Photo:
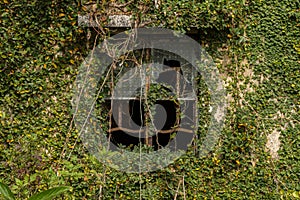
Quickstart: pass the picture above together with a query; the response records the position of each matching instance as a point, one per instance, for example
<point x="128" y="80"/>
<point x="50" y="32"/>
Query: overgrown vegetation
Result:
<point x="255" y="45"/>
<point x="7" y="194"/>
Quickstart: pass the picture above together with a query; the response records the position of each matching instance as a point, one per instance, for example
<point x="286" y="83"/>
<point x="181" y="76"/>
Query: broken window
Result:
<point x="148" y="109"/>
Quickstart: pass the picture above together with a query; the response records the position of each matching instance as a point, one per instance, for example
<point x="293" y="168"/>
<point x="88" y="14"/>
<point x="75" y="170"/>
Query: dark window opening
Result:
<point x="120" y="129"/>
<point x="131" y="123"/>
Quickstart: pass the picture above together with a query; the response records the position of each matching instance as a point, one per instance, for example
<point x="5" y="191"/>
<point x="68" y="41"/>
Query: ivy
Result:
<point x="255" y="45"/>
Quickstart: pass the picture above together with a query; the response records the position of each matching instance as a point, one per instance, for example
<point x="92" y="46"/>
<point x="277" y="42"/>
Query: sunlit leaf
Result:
<point x="49" y="194"/>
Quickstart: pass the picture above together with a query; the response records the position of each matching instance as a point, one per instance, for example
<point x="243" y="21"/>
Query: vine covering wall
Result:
<point x="256" y="47"/>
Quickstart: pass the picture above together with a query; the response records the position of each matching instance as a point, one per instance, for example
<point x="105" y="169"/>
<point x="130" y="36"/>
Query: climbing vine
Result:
<point x="255" y="45"/>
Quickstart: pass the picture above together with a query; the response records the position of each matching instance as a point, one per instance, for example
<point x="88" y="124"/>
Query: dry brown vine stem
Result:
<point x="181" y="181"/>
<point x="99" y="91"/>
<point x="158" y="131"/>
<point x="183" y="186"/>
<point x="177" y="191"/>
<point x="76" y="110"/>
<point x="121" y="5"/>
